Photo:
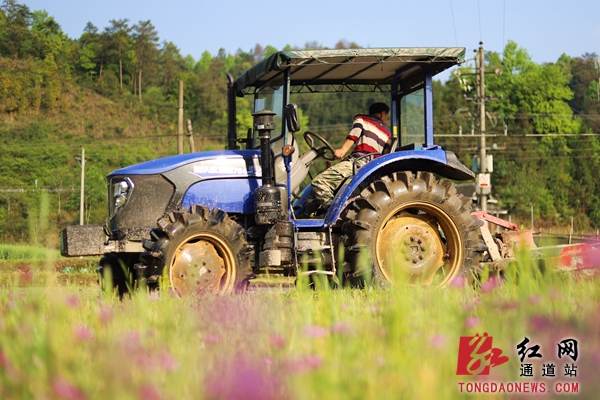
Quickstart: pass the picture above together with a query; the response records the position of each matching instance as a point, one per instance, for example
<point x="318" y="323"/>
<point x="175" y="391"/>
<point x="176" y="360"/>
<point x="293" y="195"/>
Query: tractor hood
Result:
<point x="209" y="163"/>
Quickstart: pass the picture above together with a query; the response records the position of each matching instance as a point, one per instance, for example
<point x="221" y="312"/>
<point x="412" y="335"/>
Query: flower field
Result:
<point x="70" y="342"/>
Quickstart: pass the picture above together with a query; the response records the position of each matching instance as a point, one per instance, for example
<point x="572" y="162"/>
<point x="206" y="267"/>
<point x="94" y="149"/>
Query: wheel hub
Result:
<point x="197" y="268"/>
<point x="410" y="244"/>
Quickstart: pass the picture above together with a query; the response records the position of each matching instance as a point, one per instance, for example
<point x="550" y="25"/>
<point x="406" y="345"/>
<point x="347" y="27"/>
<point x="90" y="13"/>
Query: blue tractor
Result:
<point x="211" y="221"/>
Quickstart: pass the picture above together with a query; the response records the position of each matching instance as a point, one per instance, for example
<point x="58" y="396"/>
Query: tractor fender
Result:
<point x="438" y="161"/>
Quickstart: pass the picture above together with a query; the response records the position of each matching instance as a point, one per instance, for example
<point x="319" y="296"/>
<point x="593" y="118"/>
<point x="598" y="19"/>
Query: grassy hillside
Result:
<point x="40" y="171"/>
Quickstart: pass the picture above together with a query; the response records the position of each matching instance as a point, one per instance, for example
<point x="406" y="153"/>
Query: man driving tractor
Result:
<point x="370" y="135"/>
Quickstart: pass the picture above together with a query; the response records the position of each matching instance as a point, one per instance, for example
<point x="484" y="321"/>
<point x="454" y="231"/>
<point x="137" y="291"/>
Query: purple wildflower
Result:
<point x="243" y="379"/>
<point x="458" y="282"/>
<point x="132" y="342"/>
<point x="149" y="392"/>
<point x="146" y="361"/>
<point x="65" y="390"/>
<point x="438" y="340"/>
<point x="212" y="338"/>
<point x="304" y="364"/>
<point x="491" y="284"/>
<point x="168" y="362"/>
<point x="72" y="301"/>
<point x="82" y="332"/>
<point x="105" y="315"/>
<point x="540" y="323"/>
<point x="3" y="359"/>
<point x="277" y="340"/>
<point x="534" y="299"/>
<point x="471" y="321"/>
<point x="341" y="327"/>
<point x="315" y="331"/>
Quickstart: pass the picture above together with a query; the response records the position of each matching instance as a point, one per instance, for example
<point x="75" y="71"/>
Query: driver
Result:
<point x="369" y="134"/>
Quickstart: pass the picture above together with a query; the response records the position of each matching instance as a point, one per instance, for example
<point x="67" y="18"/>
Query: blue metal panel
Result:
<point x="308" y="223"/>
<point x="229" y="195"/>
<point x="434" y="153"/>
<point x="165" y="164"/>
<point x="428" y="104"/>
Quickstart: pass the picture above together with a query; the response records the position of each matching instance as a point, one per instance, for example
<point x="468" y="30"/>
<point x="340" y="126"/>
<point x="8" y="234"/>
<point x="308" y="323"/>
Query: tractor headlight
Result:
<point x="121" y="190"/>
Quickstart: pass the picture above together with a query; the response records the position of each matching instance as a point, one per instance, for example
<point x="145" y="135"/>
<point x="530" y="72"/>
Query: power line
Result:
<point x="454" y="23"/>
<point x="96" y="142"/>
<point x="503" y="25"/>
<point x="479" y="14"/>
<point x="500" y="135"/>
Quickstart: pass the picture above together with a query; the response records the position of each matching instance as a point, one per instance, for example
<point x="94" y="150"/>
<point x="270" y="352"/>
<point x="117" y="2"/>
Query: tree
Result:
<point x="203" y="63"/>
<point x="15" y="37"/>
<point x="534" y="101"/>
<point x="120" y="31"/>
<point x="585" y="87"/>
<point x="344" y="44"/>
<point x="88" y="55"/>
<point x="48" y="34"/>
<point x="51" y="83"/>
<point x="172" y="63"/>
<point x="146" y="42"/>
<point x="258" y="53"/>
<point x="269" y="50"/>
<point x="189" y="63"/>
<point x="313" y="45"/>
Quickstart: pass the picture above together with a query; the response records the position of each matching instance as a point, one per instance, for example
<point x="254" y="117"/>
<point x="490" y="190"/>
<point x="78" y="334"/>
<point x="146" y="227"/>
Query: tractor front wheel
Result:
<point x="202" y="251"/>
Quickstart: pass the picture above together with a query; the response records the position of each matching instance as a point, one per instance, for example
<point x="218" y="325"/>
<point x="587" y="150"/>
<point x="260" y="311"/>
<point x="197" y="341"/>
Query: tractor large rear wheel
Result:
<point x="411" y="228"/>
<point x="201" y="251"/>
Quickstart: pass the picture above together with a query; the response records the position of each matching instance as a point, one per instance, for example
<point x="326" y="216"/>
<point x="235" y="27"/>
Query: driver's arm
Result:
<point x="341" y="152"/>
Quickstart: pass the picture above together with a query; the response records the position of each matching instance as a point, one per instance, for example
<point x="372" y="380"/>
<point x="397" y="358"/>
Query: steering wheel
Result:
<point x="322" y="151"/>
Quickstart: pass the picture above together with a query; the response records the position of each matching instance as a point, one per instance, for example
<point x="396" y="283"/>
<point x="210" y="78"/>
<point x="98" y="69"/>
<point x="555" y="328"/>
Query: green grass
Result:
<point x="17" y="252"/>
<point x="22" y="266"/>
<point x="71" y="343"/>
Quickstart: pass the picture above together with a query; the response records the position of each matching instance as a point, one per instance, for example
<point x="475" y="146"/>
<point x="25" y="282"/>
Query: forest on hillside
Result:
<point x="113" y="92"/>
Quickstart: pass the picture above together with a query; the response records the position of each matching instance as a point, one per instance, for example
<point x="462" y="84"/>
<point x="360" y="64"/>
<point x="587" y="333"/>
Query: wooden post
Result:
<point x="571" y="231"/>
<point x="531" y="218"/>
<point x="481" y="104"/>
<point x="190" y="135"/>
<point x="180" y="120"/>
<point x="81" y="202"/>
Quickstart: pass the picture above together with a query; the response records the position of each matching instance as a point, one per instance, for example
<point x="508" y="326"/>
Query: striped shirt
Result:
<point x="369" y="134"/>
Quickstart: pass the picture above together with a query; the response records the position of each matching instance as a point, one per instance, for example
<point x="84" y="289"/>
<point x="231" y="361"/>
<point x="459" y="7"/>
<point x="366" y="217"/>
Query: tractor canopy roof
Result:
<point x="349" y="69"/>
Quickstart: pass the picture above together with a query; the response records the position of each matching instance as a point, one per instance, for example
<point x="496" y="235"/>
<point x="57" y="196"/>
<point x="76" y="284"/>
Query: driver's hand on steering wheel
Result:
<point x="339" y="154"/>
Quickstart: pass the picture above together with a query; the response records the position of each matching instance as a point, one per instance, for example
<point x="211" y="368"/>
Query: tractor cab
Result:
<point x="400" y="77"/>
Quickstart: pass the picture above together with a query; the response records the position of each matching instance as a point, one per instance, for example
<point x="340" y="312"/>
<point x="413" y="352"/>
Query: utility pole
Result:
<point x="597" y="65"/>
<point x="81" y="202"/>
<point x="480" y="66"/>
<point x="485" y="165"/>
<point x="180" y="120"/>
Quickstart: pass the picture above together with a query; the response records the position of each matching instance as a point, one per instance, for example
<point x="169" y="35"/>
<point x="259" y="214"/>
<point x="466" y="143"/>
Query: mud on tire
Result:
<point x="411" y="227"/>
<point x="199" y="251"/>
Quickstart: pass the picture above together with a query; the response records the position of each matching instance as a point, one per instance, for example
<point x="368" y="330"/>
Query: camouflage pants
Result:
<point x="327" y="182"/>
